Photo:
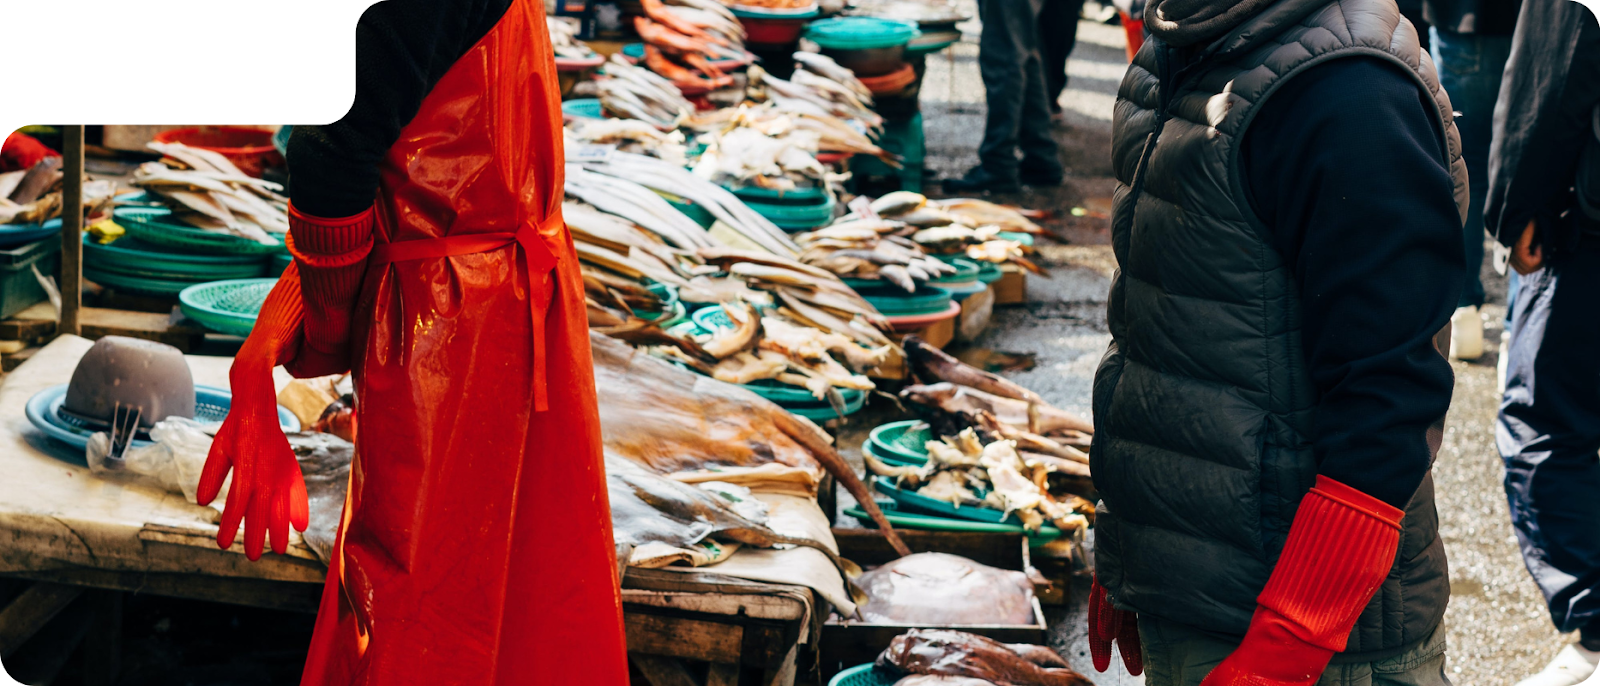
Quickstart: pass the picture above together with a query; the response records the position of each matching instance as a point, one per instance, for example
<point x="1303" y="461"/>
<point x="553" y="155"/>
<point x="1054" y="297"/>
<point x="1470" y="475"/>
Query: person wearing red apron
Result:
<point x="476" y="544"/>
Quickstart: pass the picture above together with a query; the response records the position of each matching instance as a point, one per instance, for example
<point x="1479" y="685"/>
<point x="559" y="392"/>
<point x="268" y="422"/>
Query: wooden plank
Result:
<point x="1012" y="288"/>
<point x="784" y="672"/>
<point x="662" y="671"/>
<point x="693" y="639"/>
<point x="72" y="229"/>
<point x="26" y="615"/>
<point x="264" y="593"/>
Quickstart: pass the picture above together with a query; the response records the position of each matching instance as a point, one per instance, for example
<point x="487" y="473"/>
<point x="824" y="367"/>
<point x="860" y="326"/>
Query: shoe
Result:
<point x="1572" y="666"/>
<point x="1043" y="179"/>
<point x="1466" y="334"/>
<point x="980" y="180"/>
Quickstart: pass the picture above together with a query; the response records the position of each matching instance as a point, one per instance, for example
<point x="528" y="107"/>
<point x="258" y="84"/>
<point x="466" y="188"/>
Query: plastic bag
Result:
<point x="172" y="463"/>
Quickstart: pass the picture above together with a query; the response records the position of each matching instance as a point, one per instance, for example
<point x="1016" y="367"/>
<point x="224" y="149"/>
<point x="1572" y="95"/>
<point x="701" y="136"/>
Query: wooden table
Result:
<point x="68" y="536"/>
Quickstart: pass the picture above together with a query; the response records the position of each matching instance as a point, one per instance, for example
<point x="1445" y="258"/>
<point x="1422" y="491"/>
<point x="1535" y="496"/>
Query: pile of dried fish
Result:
<point x="207" y="191"/>
<point x="744" y="156"/>
<point x="564" y="38"/>
<point x="964" y="396"/>
<point x="637" y="93"/>
<point x="628" y="135"/>
<point x="34" y="196"/>
<point x="961" y="467"/>
<point x="687" y="427"/>
<point x="681" y="42"/>
<point x="636" y="204"/>
<point x="871" y="249"/>
<point x="965" y="227"/>
<point x="957" y="658"/>
<point x="815" y="92"/>
<point x="833" y="134"/>
<point x="661" y="176"/>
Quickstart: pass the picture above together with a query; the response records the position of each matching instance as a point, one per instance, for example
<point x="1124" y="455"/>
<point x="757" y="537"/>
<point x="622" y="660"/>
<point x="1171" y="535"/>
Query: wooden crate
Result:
<point x="848" y="645"/>
<point x="1012" y="288"/>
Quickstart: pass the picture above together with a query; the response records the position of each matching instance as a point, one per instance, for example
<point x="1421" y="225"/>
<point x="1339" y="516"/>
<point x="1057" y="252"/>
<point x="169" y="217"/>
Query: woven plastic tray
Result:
<point x="153" y="225"/>
<point x="228" y="307"/>
<point x="863" y="675"/>
<point x="210" y="407"/>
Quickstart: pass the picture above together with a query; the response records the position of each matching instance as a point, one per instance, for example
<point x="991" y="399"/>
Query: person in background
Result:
<point x="1544" y="204"/>
<point x="21" y="151"/>
<point x="1287" y="227"/>
<point x="1058" y="33"/>
<point x="1131" y="14"/>
<point x="1018" y="108"/>
<point x="1471" y="39"/>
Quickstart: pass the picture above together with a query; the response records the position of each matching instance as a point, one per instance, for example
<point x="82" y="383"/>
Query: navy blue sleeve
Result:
<point x="1344" y="165"/>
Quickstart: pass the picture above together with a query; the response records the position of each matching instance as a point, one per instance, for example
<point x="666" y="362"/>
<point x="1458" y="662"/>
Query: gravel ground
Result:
<point x="1498" y="629"/>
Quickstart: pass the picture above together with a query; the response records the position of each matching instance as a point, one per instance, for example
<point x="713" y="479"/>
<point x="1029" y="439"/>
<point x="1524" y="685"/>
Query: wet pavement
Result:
<point x="1498" y="629"/>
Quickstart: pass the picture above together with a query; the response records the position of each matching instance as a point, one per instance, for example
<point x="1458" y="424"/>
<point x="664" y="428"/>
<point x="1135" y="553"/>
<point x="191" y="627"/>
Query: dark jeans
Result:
<point x="1058" y="33"/>
<point x="1014" y="86"/>
<point x="1469" y="69"/>
<point x="1549" y="432"/>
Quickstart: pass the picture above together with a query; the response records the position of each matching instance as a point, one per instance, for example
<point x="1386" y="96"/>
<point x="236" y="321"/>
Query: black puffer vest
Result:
<point x="1203" y="406"/>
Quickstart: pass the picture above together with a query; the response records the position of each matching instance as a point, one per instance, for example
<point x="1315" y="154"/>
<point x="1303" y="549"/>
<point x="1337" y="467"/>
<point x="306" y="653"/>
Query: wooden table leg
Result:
<point x="104" y="640"/>
<point x="37" y="605"/>
<point x="722" y="675"/>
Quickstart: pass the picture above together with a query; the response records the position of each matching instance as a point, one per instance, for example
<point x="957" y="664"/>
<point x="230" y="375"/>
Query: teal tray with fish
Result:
<point x="864" y="675"/>
<point x="228" y="307"/>
<point x="900" y="442"/>
<point x="964" y="282"/>
<point x="861" y="33"/>
<point x="826" y="411"/>
<point x="988" y="272"/>
<point x="916" y="502"/>
<point x="894" y="301"/>
<point x="907" y="520"/>
<point x="155" y="225"/>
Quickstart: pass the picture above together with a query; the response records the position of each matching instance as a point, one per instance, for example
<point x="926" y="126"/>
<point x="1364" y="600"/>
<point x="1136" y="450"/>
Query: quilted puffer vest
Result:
<point x="1203" y="406"/>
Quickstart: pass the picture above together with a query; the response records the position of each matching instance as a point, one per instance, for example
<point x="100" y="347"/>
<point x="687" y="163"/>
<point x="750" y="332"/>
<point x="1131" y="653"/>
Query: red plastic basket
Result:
<point x="892" y="82"/>
<point x="773" y="31"/>
<point x="250" y="149"/>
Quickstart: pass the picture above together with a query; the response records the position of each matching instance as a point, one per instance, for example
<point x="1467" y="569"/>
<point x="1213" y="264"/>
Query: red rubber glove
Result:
<point x="1107" y="624"/>
<point x="332" y="257"/>
<point x="1340" y="547"/>
<point x="268" y="491"/>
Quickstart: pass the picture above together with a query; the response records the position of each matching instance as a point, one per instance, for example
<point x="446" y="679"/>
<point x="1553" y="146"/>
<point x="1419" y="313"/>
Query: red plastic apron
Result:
<point x="476" y="546"/>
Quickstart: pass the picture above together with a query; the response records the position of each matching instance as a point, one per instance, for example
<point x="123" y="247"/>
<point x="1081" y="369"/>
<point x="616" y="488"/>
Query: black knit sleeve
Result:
<point x="1345" y="166"/>
<point x="403" y="48"/>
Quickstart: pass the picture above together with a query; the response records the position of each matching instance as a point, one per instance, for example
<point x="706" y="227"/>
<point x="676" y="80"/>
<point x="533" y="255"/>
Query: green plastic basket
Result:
<point x="796" y="217"/>
<point x="826" y="412"/>
<point x="907" y="520"/>
<point x="863" y="675"/>
<point x="916" y="502"/>
<point x="798" y="196"/>
<point x="133" y="283"/>
<point x="900" y="442"/>
<point x="153" y="225"/>
<point x="228" y="307"/>
<point x="131" y="257"/>
<point x="861" y="33"/>
<point x="894" y="301"/>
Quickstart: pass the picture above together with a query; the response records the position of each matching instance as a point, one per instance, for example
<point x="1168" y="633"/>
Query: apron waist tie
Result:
<point x="536" y="254"/>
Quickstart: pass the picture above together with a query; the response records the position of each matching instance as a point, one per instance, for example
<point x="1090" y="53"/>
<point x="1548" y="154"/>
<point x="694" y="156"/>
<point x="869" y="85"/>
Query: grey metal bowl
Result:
<point x="130" y="373"/>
